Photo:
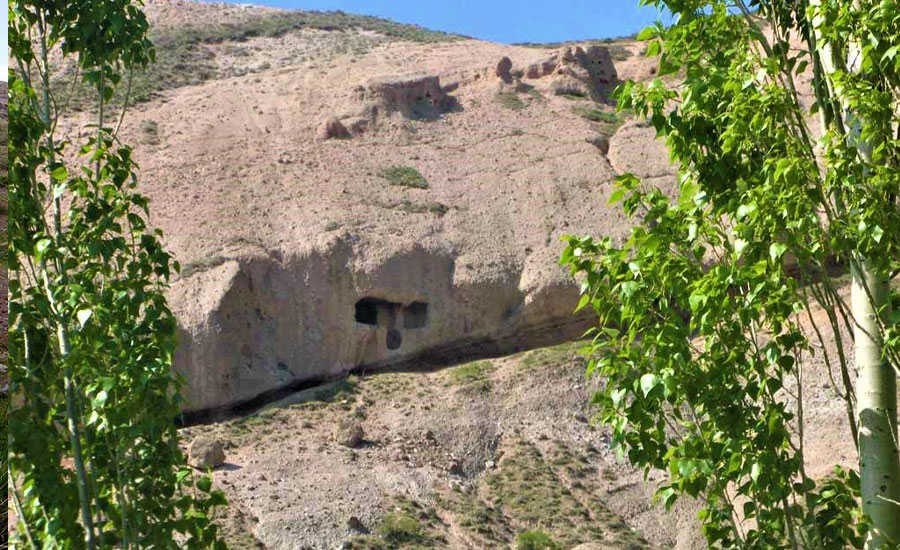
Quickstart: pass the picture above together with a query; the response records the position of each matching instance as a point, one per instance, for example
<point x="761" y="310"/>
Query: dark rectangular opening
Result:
<point x="367" y="311"/>
<point x="415" y="315"/>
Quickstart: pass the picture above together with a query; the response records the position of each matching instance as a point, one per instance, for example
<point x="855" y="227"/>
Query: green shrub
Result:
<point x="149" y="132"/>
<point x="404" y="176"/>
<point x="573" y="96"/>
<point x="397" y="528"/>
<point x="436" y="208"/>
<point x="535" y="540"/>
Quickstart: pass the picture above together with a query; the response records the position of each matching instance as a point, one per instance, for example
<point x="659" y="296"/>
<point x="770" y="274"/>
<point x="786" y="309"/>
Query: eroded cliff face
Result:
<point x="304" y="258"/>
<point x="256" y="324"/>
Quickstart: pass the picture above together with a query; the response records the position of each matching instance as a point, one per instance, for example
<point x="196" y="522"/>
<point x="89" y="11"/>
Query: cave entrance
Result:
<point x="382" y="313"/>
<point x="374" y="311"/>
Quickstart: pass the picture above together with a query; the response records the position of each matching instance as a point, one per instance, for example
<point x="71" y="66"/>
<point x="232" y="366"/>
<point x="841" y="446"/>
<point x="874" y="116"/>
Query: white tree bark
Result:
<point x="876" y="384"/>
<point x="876" y="394"/>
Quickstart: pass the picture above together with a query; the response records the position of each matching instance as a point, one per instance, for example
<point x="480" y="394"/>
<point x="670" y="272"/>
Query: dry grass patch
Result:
<point x="510" y="100"/>
<point x="607" y="122"/>
<point x="404" y="176"/>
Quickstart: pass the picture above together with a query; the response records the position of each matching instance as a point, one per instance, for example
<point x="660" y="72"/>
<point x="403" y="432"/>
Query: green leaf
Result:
<point x="40" y="248"/>
<point x="776" y="250"/>
<point x="668" y="497"/>
<point x="204" y="484"/>
<point x="696" y="301"/>
<point x="630" y="287"/>
<point x="744" y="210"/>
<point x="83" y="315"/>
<point x="585" y="300"/>
<point x="647" y="33"/>
<point x="616" y="196"/>
<point x="60" y="173"/>
<point x="181" y="475"/>
<point x="648" y="382"/>
<point x="100" y="399"/>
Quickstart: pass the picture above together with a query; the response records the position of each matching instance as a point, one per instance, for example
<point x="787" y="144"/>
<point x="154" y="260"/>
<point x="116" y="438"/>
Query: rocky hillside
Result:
<point x="350" y="194"/>
<point x="343" y="191"/>
<point x="485" y="454"/>
<point x="480" y="455"/>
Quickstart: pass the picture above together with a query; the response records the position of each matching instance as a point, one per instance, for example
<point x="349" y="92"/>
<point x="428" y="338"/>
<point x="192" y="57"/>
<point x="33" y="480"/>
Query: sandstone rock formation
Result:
<point x="301" y="264"/>
<point x="504" y="66"/>
<point x="205" y="453"/>
<point x="414" y="95"/>
<point x="331" y="128"/>
<point x="542" y="67"/>
<point x="319" y="313"/>
<point x="588" y="72"/>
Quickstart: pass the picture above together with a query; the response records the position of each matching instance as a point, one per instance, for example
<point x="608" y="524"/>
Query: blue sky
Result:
<point x="504" y="21"/>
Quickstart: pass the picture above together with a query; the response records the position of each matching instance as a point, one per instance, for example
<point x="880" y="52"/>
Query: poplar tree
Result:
<point x="707" y="310"/>
<point x="94" y="461"/>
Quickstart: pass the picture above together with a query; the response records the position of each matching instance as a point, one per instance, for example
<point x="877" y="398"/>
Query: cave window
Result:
<point x="415" y="315"/>
<point x="367" y="310"/>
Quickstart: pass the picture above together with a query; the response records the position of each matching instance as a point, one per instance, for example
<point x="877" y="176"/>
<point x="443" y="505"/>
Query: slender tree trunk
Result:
<point x="73" y="419"/>
<point x="876" y="391"/>
<point x="876" y="383"/>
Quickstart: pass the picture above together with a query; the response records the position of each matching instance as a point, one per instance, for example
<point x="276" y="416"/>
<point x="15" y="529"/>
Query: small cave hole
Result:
<point x="415" y="315"/>
<point x="394" y="339"/>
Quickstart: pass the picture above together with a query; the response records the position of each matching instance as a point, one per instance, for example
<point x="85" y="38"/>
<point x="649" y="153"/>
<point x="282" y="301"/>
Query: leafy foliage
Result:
<point x="94" y="456"/>
<point x="700" y="339"/>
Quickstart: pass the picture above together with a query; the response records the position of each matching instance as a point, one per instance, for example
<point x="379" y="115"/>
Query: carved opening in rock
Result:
<point x="394" y="339"/>
<point x="369" y="311"/>
<point x="415" y="315"/>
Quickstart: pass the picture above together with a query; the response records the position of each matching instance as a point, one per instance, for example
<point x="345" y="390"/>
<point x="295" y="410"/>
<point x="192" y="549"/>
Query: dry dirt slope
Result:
<point x="468" y="457"/>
